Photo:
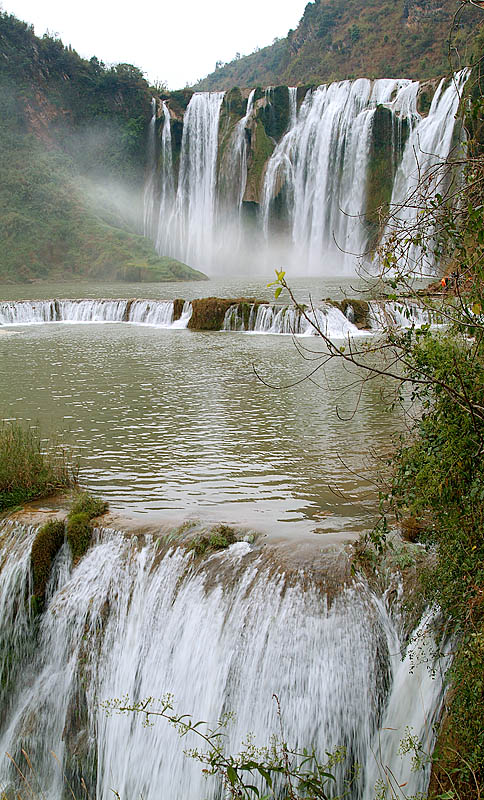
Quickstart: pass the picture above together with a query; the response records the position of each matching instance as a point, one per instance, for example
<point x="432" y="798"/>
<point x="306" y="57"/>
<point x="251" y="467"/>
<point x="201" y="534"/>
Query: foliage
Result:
<point x="267" y="773"/>
<point x="439" y="478"/>
<point x="438" y="472"/>
<point x="46" y="73"/>
<point x="55" y="223"/>
<point x="30" y="468"/>
<point x="72" y="159"/>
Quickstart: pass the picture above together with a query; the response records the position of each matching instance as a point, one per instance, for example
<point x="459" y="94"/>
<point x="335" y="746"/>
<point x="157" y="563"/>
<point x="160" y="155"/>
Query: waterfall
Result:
<point x="193" y="227"/>
<point x="139" y="312"/>
<point x="149" y="192"/>
<point x="312" y="192"/>
<point x="134" y="619"/>
<point x="322" y="162"/>
<point x="400" y="314"/>
<point x="254" y="318"/>
<point x="418" y="178"/>
<point x="185" y="316"/>
<point x="167" y="194"/>
<point x="238" y="152"/>
<point x="404" y="703"/>
<point x="287" y="320"/>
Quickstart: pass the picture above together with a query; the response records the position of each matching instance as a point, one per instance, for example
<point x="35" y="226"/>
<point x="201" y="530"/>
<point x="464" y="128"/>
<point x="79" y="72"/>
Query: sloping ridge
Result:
<point x="344" y="39"/>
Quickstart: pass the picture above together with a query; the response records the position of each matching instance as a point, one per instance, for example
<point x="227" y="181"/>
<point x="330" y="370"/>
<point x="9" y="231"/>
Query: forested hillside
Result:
<point x="339" y="39"/>
<point x="72" y="159"/>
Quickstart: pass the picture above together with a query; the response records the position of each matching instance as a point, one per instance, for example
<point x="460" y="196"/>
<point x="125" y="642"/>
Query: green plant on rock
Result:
<point x="79" y="529"/>
<point x="86" y="503"/>
<point x="219" y="538"/>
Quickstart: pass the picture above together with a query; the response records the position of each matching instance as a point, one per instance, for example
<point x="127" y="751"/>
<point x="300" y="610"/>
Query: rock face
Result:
<point x="209" y="313"/>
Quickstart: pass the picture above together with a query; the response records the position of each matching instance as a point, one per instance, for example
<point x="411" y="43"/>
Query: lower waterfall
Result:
<point x="137" y="618"/>
<point x="139" y="312"/>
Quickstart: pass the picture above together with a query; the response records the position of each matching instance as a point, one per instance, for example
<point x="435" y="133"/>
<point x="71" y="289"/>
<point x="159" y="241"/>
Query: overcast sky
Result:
<point x="177" y="42"/>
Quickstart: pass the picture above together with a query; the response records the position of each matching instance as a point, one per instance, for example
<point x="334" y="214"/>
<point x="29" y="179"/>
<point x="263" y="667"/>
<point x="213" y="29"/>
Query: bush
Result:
<point x="28" y="471"/>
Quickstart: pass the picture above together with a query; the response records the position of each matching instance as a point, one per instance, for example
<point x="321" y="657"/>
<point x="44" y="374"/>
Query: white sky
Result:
<point x="177" y="42"/>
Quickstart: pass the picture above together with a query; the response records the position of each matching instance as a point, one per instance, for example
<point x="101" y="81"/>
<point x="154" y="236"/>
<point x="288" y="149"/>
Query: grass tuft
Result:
<point x="29" y="470"/>
<point x="85" y="503"/>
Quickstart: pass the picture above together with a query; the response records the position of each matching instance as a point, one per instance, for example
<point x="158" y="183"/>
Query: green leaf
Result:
<point x="232" y="775"/>
<point x="265" y="775"/>
<point x="277" y="292"/>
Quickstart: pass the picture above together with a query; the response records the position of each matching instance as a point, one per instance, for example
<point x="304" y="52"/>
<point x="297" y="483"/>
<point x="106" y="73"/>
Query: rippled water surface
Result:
<point x="315" y="288"/>
<point x="177" y="422"/>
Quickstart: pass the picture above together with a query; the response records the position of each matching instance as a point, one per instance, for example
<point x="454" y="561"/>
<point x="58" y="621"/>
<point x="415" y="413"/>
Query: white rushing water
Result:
<point x="401" y="315"/>
<point x="138" y="312"/>
<point x="259" y="318"/>
<point x="225" y="637"/>
<point x="195" y="205"/>
<point x="420" y="175"/>
<point x="323" y="163"/>
<point x="287" y="320"/>
<point x="149" y="192"/>
<point x="314" y="192"/>
<point x="237" y="153"/>
<point x="167" y="188"/>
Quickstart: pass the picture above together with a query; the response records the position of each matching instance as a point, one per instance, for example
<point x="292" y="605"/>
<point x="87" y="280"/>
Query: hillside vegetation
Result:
<point x="72" y="159"/>
<point x="344" y="39"/>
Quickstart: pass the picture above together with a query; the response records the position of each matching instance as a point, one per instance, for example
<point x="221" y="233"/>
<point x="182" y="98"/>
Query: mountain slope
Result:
<point x="340" y="39"/>
<point x="72" y="160"/>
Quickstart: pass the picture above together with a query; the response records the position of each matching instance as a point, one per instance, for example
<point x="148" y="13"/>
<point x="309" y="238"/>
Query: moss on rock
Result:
<point x="78" y="532"/>
<point x="46" y="545"/>
<point x="261" y="150"/>
<point x="382" y="165"/>
<point x="359" y="312"/>
<point x="177" y="308"/>
<point x="275" y="114"/>
<point x="209" y="312"/>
